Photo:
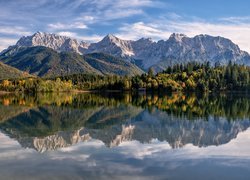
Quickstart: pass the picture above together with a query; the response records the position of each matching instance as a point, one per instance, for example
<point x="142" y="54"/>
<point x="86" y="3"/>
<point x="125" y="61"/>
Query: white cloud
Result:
<point x="140" y="29"/>
<point x="91" y="38"/>
<point x="235" y="19"/>
<point x="88" y="38"/>
<point x="87" y="18"/>
<point x="108" y="10"/>
<point x="118" y="14"/>
<point x="5" y="42"/>
<point x="68" y="34"/>
<point x="101" y="17"/>
<point x="10" y="34"/>
<point x="14" y="30"/>
<point x="124" y="3"/>
<point x="62" y="26"/>
<point x="134" y="3"/>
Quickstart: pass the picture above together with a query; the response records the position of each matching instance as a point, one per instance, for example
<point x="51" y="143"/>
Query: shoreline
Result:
<point x="127" y="91"/>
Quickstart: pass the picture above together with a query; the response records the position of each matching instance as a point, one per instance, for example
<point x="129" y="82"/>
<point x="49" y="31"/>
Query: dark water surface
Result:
<point x="120" y="136"/>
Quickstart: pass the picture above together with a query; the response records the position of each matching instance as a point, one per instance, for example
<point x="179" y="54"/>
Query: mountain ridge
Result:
<point x="8" y="72"/>
<point x="46" y="62"/>
<point x="145" y="52"/>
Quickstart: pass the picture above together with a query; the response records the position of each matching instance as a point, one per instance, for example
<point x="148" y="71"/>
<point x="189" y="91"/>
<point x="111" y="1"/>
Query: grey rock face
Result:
<point x="114" y="46"/>
<point x="53" y="41"/>
<point x="177" y="49"/>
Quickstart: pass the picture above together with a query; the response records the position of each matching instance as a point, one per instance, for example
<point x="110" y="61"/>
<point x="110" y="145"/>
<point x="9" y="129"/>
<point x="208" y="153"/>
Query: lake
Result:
<point x="124" y="136"/>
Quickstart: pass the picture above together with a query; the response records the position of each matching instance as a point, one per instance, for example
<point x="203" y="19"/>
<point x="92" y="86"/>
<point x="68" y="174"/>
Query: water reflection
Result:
<point x="46" y="122"/>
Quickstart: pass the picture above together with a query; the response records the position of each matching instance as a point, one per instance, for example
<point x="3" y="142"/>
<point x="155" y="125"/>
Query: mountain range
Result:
<point x="45" y="54"/>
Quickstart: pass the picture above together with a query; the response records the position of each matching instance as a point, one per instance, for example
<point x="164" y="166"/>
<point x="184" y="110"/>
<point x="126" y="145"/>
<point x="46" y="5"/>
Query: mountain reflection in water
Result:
<point x="48" y="122"/>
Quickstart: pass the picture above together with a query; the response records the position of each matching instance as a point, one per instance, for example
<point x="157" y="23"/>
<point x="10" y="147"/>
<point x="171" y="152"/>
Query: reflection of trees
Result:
<point x="178" y="104"/>
<point x="193" y="106"/>
<point x="48" y="120"/>
<point x="113" y="118"/>
<point x="65" y="99"/>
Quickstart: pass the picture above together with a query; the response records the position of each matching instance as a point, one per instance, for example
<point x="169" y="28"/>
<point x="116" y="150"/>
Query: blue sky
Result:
<point x="90" y="20"/>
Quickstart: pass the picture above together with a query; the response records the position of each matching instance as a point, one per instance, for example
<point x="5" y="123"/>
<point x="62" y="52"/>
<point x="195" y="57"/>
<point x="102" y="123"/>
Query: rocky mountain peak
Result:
<point x="53" y="41"/>
<point x="112" y="45"/>
<point x="145" y="40"/>
<point x="177" y="49"/>
<point x="177" y="36"/>
<point x="110" y="37"/>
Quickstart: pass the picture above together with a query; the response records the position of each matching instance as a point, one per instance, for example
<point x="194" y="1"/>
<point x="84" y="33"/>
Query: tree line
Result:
<point x="196" y="77"/>
<point x="35" y="85"/>
<point x="182" y="105"/>
<point x="181" y="77"/>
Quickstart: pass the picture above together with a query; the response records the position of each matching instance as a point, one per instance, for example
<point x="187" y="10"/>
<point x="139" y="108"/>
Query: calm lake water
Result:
<point x="120" y="136"/>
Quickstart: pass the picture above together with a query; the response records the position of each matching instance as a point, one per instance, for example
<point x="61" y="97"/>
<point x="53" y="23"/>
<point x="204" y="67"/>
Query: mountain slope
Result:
<point x="46" y="62"/>
<point x="108" y="64"/>
<point x="42" y="61"/>
<point x="8" y="72"/>
<point x="144" y="52"/>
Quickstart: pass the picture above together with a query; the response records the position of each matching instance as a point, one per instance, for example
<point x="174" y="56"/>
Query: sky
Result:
<point x="91" y="20"/>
